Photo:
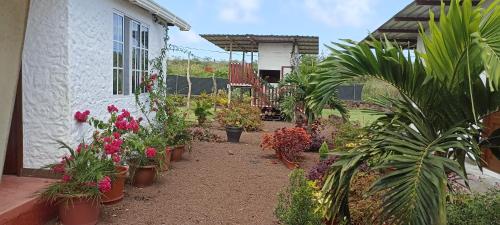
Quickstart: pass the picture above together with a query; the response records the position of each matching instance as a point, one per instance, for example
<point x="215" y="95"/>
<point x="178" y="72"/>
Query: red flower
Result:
<point x="133" y="126"/>
<point x="113" y="147"/>
<point x="82" y="116"/>
<point x="116" y="135"/>
<point x="154" y="76"/>
<point x="66" y="178"/>
<point x="121" y="124"/>
<point x="116" y="158"/>
<point x="149" y="87"/>
<point x="107" y="139"/>
<point x="104" y="184"/>
<point x="125" y="113"/>
<point x="112" y="109"/>
<point x="58" y="168"/>
<point x="81" y="146"/>
<point x="150" y="152"/>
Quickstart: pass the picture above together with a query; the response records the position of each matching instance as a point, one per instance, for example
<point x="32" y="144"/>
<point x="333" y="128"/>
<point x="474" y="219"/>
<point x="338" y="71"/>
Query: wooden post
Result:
<point x="214" y="88"/>
<point x="189" y="81"/>
<point x="230" y="73"/>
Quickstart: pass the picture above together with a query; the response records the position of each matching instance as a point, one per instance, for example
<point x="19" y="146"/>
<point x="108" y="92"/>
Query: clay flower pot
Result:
<point x="177" y="153"/>
<point x="79" y="211"/>
<point x="166" y="158"/>
<point x="234" y="134"/>
<point x="144" y="176"/>
<point x="289" y="164"/>
<point x="116" y="193"/>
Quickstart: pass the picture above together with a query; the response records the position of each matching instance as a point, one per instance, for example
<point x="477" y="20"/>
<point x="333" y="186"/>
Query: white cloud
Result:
<point x="337" y="13"/>
<point x="185" y="37"/>
<point x="239" y="11"/>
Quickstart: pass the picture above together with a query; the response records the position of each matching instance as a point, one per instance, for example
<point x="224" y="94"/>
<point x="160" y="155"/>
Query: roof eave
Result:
<point x="163" y="13"/>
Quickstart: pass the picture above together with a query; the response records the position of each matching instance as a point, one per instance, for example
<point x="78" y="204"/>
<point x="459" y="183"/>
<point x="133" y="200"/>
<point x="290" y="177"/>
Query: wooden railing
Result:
<point x="264" y="94"/>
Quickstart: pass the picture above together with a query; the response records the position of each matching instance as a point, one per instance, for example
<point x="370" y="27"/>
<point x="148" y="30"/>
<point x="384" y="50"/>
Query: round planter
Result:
<point x="177" y="153"/>
<point x="117" y="186"/>
<point x="289" y="164"/>
<point x="166" y="158"/>
<point x="234" y="134"/>
<point x="79" y="211"/>
<point x="144" y="176"/>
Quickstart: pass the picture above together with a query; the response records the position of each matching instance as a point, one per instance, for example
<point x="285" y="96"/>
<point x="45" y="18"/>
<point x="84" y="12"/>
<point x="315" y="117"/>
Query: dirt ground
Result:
<point x="217" y="183"/>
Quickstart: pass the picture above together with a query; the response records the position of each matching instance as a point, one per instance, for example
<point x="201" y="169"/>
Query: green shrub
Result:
<point x="297" y="204"/>
<point x="475" y="209"/>
<point x="323" y="151"/>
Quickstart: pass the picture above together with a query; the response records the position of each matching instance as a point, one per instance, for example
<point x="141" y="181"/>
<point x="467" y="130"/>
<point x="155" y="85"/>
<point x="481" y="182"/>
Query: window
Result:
<point x="118" y="50"/>
<point x="139" y="53"/>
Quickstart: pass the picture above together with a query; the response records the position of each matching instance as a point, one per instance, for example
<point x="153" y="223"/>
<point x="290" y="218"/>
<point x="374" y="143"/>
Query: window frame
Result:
<point x="116" y="68"/>
<point x="138" y="72"/>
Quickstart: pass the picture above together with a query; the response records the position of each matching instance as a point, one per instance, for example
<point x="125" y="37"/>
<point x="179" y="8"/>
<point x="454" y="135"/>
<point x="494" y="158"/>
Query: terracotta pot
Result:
<point x="79" y="211"/>
<point x="144" y="176"/>
<point x="166" y="158"/>
<point x="117" y="185"/>
<point x="289" y="164"/>
<point x="177" y="153"/>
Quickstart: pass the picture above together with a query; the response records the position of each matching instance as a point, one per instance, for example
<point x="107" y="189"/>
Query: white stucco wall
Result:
<point x="46" y="109"/>
<point x="272" y="56"/>
<point x="70" y="55"/>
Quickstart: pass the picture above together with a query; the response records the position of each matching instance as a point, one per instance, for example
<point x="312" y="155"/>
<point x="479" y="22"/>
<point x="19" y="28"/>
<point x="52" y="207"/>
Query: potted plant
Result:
<point x="143" y="157"/>
<point x="233" y="122"/>
<point x="177" y="135"/>
<point x="202" y="110"/>
<point x="85" y="176"/>
<point x="288" y="144"/>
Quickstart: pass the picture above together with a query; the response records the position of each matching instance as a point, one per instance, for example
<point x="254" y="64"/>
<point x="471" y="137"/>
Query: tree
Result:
<point x="434" y="127"/>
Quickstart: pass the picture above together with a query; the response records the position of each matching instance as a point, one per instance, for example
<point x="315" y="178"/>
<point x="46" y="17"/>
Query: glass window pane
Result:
<point x="137" y="57"/>
<point x="114" y="82"/>
<point x="120" y="56"/>
<point x="146" y="61"/>
<point x="120" y="82"/>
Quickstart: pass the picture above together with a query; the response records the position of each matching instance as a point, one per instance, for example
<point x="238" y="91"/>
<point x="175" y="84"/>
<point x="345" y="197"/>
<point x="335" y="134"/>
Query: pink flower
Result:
<point x="104" y="184"/>
<point x="81" y="117"/>
<point x="113" y="146"/>
<point x="150" y="152"/>
<point x="81" y="146"/>
<point x="58" y="168"/>
<point x="154" y="76"/>
<point x="116" y="158"/>
<point x="116" y="135"/>
<point x="133" y="126"/>
<point x="107" y="139"/>
<point x="112" y="109"/>
<point x="121" y="124"/>
<point x="125" y="113"/>
<point x="66" y="178"/>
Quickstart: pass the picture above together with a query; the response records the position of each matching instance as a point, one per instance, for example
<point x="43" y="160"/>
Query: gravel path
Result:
<point x="217" y="183"/>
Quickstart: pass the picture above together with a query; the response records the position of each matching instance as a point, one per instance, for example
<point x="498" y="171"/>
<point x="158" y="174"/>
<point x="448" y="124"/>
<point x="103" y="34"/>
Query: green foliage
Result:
<point x="137" y="144"/>
<point x="202" y="109"/>
<point x="429" y="132"/>
<point x="475" y="209"/>
<point x="81" y="171"/>
<point x="240" y="115"/>
<point x="348" y="135"/>
<point x="296" y="203"/>
<point x="323" y="151"/>
<point x="375" y="89"/>
<point x="178" y="66"/>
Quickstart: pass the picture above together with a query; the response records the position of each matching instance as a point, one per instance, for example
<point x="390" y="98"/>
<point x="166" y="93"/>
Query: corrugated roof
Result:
<point x="404" y="26"/>
<point x="250" y="42"/>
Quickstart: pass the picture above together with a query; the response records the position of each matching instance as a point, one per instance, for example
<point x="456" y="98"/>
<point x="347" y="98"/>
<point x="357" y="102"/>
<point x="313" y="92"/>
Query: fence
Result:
<point x="178" y="85"/>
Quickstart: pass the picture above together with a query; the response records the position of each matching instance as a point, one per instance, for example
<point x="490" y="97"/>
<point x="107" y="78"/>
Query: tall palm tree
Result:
<point x="446" y="90"/>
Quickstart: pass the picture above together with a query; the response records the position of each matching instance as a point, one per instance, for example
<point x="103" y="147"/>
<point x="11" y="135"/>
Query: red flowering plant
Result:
<point x="145" y="148"/>
<point x="287" y="142"/>
<point x="83" y="174"/>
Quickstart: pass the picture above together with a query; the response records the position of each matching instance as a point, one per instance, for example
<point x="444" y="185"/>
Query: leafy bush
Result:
<point x="365" y="209"/>
<point x="348" y="135"/>
<point x="474" y="209"/>
<point x="323" y="151"/>
<point x="316" y="138"/>
<point x="240" y="115"/>
<point x="317" y="172"/>
<point x="297" y="204"/>
<point x="145" y="148"/>
<point x="289" y="142"/>
<point x="202" y="110"/>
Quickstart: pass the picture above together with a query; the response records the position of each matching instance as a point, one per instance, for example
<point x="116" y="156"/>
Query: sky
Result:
<point x="331" y="20"/>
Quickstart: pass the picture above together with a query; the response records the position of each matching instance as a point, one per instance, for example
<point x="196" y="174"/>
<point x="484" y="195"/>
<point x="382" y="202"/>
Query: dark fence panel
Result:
<point x="179" y="85"/>
<point x="350" y="92"/>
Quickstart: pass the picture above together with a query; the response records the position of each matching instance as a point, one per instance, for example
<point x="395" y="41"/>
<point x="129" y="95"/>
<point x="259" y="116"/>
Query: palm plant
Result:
<point x="300" y="85"/>
<point x="445" y="91"/>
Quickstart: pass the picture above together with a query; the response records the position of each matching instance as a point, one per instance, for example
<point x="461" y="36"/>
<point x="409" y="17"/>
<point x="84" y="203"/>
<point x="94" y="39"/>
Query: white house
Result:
<point x="80" y="55"/>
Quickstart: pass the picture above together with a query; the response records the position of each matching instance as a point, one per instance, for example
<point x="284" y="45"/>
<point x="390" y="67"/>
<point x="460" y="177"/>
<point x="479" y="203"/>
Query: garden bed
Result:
<point x="217" y="183"/>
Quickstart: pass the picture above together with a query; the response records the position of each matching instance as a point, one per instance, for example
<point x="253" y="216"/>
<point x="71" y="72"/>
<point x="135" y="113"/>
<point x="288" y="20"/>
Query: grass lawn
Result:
<point x="362" y="117"/>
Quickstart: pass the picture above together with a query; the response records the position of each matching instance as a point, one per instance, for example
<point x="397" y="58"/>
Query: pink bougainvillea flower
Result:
<point x="154" y="76"/>
<point x="149" y="87"/>
<point x="112" y="108"/>
<point x="82" y="117"/>
<point x="150" y="152"/>
<point x="66" y="178"/>
<point x="121" y="124"/>
<point x="116" y="158"/>
<point x="107" y="139"/>
<point x="116" y="135"/>
<point x="133" y="126"/>
<point x="58" y="168"/>
<point x="125" y="113"/>
<point x="104" y="184"/>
